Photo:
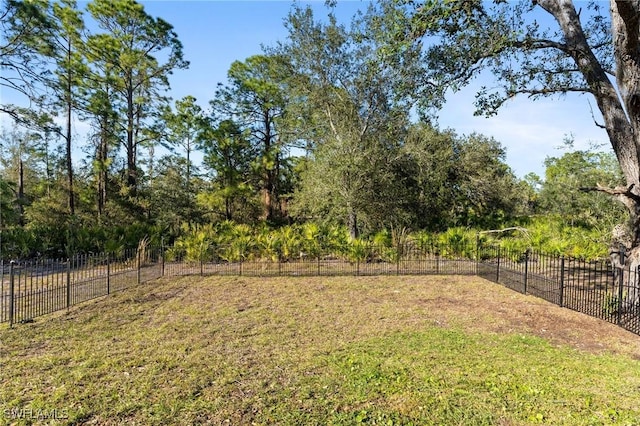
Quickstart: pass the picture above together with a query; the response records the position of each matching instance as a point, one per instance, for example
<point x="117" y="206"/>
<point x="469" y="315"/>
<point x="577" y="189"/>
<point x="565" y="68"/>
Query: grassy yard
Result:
<point x="345" y="350"/>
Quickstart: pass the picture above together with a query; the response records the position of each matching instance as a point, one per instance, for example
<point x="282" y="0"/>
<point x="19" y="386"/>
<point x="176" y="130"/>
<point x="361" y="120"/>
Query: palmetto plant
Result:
<point x="337" y="239"/>
<point x="313" y="240"/>
<point x="360" y="250"/>
<point x="238" y="250"/>
<point x="115" y="247"/>
<point x="268" y="245"/>
<point x="195" y="245"/>
<point x="424" y="241"/>
<point x="457" y="242"/>
<point x="290" y="243"/>
<point x="238" y="244"/>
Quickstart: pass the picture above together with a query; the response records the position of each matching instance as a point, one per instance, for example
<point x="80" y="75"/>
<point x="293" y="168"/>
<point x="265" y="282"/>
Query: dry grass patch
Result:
<point x="378" y="350"/>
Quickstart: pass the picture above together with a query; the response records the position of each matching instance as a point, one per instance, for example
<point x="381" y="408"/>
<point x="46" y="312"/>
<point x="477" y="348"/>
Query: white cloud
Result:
<point x="530" y="130"/>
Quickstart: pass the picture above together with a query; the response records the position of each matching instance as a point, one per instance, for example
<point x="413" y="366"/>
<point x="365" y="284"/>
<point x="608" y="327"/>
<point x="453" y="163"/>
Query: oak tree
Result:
<point x="537" y="48"/>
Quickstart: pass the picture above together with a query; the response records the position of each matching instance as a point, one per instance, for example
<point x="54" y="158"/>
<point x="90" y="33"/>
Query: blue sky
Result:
<point x="216" y="33"/>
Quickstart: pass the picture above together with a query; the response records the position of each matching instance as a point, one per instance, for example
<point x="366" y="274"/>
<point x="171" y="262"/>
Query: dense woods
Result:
<point x="328" y="134"/>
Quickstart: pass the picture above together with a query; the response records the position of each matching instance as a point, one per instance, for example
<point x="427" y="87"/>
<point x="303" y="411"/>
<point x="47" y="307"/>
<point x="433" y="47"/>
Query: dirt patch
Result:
<point x="485" y="306"/>
<point x="386" y="304"/>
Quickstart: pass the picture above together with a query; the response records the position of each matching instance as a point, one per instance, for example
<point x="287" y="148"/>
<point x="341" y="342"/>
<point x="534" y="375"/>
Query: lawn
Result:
<point x="342" y="350"/>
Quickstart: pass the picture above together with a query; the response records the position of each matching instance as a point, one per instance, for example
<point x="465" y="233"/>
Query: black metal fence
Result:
<point x="34" y="288"/>
<point x="595" y="288"/>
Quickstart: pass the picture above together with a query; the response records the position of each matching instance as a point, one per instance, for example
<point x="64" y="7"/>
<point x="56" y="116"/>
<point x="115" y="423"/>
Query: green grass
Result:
<point x="345" y="350"/>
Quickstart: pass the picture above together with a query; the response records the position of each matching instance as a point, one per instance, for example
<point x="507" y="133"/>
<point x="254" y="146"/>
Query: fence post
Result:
<point x="139" y="266"/>
<point x="398" y="260"/>
<point x="526" y="270"/>
<point x="562" y="281"/>
<point x="108" y="274"/>
<point x="68" y="282"/>
<point x="357" y="266"/>
<point x="162" y="262"/>
<point x="498" y="266"/>
<point x="621" y="293"/>
<point x="162" y="257"/>
<point x="318" y="264"/>
<point x="12" y="293"/>
<point x="477" y="253"/>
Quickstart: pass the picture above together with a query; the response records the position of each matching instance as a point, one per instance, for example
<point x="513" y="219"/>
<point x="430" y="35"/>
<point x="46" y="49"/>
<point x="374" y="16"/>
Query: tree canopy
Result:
<point x="539" y="48"/>
<point x="331" y="127"/>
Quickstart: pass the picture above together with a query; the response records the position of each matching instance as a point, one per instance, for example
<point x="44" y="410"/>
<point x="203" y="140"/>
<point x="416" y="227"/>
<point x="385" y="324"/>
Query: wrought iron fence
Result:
<point x="33" y="288"/>
<point x="595" y="288"/>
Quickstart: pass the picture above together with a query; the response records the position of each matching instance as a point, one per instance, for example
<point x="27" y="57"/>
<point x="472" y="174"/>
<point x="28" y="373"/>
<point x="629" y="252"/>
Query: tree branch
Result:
<point x="629" y="12"/>
<point x="602" y="126"/>
<point x="619" y="191"/>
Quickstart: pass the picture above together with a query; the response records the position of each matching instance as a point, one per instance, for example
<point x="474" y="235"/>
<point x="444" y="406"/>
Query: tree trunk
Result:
<point x="72" y="209"/>
<point x="102" y="174"/>
<point x="69" y="102"/>
<point x="227" y="208"/>
<point x="268" y="175"/>
<point x="188" y="146"/>
<point x="621" y="113"/>
<point x="624" y="131"/>
<point x="132" y="175"/>
<point x="20" y="192"/>
<point x="352" y="223"/>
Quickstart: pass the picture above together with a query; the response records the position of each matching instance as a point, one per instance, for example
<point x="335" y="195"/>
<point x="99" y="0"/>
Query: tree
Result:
<point x="184" y="127"/>
<point x="579" y="54"/>
<point x="141" y="51"/>
<point x="486" y="190"/>
<point x="358" y="116"/>
<point x="101" y="111"/>
<point x="171" y="203"/>
<point x="24" y="45"/>
<point x="21" y="168"/>
<point x="255" y="99"/>
<point x="426" y="167"/>
<point x="69" y="68"/>
<point x="456" y="181"/>
<point x="230" y="155"/>
<point x="566" y="175"/>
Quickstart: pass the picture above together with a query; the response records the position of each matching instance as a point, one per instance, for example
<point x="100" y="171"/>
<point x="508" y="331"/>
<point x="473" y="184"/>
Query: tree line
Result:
<point x="330" y="126"/>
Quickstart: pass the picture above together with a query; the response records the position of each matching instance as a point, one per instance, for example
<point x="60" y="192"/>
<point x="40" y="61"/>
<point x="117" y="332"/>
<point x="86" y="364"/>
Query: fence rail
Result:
<point x="30" y="289"/>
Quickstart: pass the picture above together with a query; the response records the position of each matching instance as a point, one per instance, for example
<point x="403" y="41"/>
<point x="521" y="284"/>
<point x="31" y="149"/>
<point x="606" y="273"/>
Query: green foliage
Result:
<point x="229" y="155"/>
<point x="562" y="192"/>
<point x="26" y="28"/>
<point x="138" y="53"/>
<point x="256" y="100"/>
<point x="359" y="250"/>
<point x="456" y="181"/>
<point x="456" y="242"/>
<point x="235" y="242"/>
<point x="185" y="127"/>
<point x="369" y="181"/>
<point x="553" y="235"/>
<point x="194" y="245"/>
<point x="355" y="115"/>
